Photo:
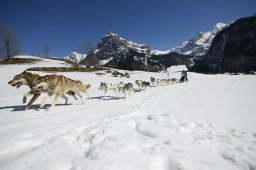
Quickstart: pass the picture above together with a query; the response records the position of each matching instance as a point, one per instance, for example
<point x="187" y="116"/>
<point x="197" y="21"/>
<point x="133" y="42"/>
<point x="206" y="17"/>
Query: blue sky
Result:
<point x="161" y="24"/>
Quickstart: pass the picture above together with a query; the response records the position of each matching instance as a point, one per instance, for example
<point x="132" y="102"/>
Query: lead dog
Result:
<point x="29" y="79"/>
<point x="57" y="85"/>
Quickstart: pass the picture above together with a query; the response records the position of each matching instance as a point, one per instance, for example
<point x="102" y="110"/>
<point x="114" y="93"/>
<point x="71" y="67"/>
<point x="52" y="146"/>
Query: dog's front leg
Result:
<point x="105" y="92"/>
<point x="57" y="96"/>
<point x="36" y="95"/>
<point x="44" y="100"/>
<point x="26" y="95"/>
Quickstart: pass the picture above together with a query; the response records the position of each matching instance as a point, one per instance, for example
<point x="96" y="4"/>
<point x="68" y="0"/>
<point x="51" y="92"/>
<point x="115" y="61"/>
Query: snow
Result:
<point x="44" y="62"/>
<point x="141" y="48"/>
<point x="132" y="43"/>
<point x="95" y="51"/>
<point x="159" y="52"/>
<point x="220" y="25"/>
<point x="28" y="56"/>
<point x="206" y="123"/>
<point x="103" y="62"/>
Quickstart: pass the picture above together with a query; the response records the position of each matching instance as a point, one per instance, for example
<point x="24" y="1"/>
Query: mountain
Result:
<point x="199" y="45"/>
<point x="233" y="49"/>
<point x="76" y="57"/>
<point x="117" y="52"/>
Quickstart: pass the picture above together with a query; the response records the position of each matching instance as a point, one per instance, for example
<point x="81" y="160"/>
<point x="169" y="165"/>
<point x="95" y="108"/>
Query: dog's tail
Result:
<point x="82" y="87"/>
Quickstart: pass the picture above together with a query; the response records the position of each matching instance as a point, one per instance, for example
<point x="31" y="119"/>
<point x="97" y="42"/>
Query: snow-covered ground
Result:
<point x="206" y="123"/>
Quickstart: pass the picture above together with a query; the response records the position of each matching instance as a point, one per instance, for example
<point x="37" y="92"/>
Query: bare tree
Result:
<point x="85" y="47"/>
<point x="46" y="50"/>
<point x="9" y="46"/>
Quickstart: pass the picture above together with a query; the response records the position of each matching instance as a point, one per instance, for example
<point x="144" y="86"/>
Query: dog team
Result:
<point x="60" y="86"/>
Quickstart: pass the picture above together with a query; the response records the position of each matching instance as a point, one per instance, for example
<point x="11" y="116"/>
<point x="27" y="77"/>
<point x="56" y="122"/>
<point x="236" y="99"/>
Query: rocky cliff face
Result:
<point x="173" y="58"/>
<point x="234" y="48"/>
<point x="114" y="51"/>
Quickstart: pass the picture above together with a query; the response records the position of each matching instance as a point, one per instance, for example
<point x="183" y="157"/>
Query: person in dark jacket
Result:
<point x="183" y="76"/>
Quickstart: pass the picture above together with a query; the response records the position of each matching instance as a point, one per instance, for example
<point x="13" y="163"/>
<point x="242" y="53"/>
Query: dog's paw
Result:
<point x="24" y="109"/>
<point x="47" y="110"/>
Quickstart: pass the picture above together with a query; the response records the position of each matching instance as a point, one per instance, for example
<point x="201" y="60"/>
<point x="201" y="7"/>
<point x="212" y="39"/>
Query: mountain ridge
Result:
<point x="200" y="44"/>
<point x="117" y="52"/>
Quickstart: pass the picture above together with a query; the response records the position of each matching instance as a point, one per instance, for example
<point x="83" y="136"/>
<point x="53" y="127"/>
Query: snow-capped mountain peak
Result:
<point x="220" y="25"/>
<point x="113" y="47"/>
<point x="200" y="44"/>
<point x="126" y="43"/>
<point x="76" y="57"/>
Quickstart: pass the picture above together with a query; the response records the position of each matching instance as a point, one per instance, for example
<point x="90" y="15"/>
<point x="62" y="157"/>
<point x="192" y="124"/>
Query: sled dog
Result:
<point x="145" y="84"/>
<point x="125" y="88"/>
<point x="152" y="80"/>
<point x="57" y="85"/>
<point x="29" y="79"/>
<point x="138" y="83"/>
<point x="105" y="87"/>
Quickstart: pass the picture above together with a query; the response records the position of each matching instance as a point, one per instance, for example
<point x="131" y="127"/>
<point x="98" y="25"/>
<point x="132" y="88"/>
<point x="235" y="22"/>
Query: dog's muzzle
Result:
<point x="15" y="84"/>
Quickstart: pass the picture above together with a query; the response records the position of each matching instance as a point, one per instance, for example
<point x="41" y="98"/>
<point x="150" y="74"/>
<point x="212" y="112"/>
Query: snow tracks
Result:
<point x="140" y="139"/>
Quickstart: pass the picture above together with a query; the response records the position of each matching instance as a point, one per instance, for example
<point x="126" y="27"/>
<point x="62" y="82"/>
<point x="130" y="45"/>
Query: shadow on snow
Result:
<point x="33" y="107"/>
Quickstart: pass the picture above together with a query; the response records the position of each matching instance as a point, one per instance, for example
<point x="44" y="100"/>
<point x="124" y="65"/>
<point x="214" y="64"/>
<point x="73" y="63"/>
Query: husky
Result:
<point x="145" y="84"/>
<point x="172" y="81"/>
<point x="29" y="79"/>
<point x="105" y="87"/>
<point x="57" y="85"/>
<point x="138" y="83"/>
<point x="125" y="88"/>
<point x="159" y="82"/>
<point x="152" y="80"/>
